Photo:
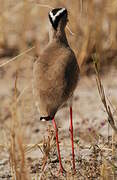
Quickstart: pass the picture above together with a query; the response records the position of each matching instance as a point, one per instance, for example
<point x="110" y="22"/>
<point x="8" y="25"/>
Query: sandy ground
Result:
<point x="90" y="123"/>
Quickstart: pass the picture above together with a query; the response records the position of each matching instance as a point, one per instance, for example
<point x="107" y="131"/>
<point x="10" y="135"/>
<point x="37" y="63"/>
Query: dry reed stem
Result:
<point x="103" y="97"/>
<point x="48" y="144"/>
<point x="114" y="142"/>
<point x="104" y="171"/>
<point x="17" y="153"/>
<point x="30" y="147"/>
<point x="22" y="92"/>
<point x="13" y="158"/>
<point x="19" y="55"/>
<point x="44" y="5"/>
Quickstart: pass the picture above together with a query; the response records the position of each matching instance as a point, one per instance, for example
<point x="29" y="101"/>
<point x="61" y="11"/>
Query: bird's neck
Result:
<point x="58" y="35"/>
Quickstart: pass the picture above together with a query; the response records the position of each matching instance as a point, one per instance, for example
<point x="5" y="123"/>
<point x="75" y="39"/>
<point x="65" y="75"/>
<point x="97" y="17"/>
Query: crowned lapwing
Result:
<point x="56" y="74"/>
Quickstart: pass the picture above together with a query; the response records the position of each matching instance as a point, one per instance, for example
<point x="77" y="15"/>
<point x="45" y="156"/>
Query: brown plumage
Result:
<point x="56" y="73"/>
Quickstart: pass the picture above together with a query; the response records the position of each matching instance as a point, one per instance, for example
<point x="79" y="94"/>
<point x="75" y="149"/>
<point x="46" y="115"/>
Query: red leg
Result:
<point x="72" y="140"/>
<point x="58" y="148"/>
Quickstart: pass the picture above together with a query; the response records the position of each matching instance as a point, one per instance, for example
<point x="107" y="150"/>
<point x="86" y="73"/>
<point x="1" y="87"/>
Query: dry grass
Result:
<point x="107" y="168"/>
<point x="92" y="33"/>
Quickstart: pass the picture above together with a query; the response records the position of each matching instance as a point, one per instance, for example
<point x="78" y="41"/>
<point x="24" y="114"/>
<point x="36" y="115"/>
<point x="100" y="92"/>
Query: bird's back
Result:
<point x="55" y="77"/>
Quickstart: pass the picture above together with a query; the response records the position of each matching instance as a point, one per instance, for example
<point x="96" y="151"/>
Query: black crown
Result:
<point x="57" y="19"/>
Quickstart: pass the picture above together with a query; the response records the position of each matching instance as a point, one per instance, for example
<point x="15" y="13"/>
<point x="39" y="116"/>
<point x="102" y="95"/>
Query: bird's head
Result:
<point x="58" y="17"/>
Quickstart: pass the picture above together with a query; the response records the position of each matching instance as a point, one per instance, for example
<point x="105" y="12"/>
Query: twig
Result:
<point x="19" y="55"/>
<point x="68" y="28"/>
<point x="22" y="92"/>
<point x="44" y="5"/>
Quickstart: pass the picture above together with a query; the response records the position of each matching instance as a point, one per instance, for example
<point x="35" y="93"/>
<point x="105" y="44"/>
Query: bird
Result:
<point x="56" y="74"/>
